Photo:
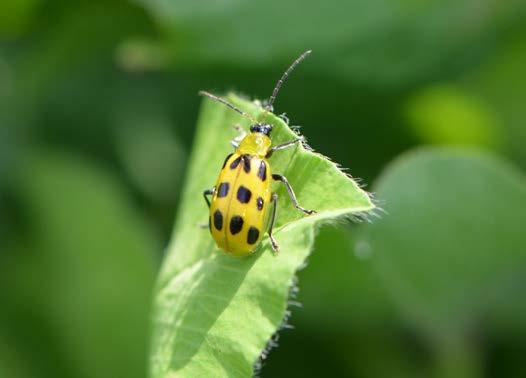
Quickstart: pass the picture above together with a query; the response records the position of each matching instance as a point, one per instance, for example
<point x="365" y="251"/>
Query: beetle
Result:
<point x="242" y="200"/>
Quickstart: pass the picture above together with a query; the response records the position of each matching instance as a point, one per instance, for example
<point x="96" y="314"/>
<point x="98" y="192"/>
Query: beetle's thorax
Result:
<point x="254" y="144"/>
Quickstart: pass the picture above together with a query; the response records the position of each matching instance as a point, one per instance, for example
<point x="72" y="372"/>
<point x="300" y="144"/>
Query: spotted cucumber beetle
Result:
<point x="241" y="198"/>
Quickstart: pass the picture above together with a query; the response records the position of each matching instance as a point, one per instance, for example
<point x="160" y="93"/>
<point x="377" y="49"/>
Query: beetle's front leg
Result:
<point x="242" y="133"/>
<point x="282" y="146"/>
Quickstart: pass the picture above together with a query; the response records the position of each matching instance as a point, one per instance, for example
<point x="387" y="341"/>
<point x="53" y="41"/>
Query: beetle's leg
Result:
<point x="273" y="242"/>
<point x="242" y="133"/>
<point x="292" y="196"/>
<point x="208" y="192"/>
<point x="282" y="146"/>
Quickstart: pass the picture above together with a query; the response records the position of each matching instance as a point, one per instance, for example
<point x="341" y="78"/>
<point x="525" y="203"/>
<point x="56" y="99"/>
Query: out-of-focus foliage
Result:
<point x="482" y="198"/>
<point x="377" y="42"/>
<point x="77" y="280"/>
<point x="454" y="276"/>
<point x="445" y="115"/>
<point x="97" y="112"/>
<point x="15" y="16"/>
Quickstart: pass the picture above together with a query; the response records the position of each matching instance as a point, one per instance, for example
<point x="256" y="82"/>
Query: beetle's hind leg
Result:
<point x="273" y="242"/>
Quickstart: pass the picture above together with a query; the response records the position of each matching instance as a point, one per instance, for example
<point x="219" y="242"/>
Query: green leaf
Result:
<point x="346" y="318"/>
<point x="214" y="313"/>
<point x="444" y="114"/>
<point x="16" y="15"/>
<point x="352" y="295"/>
<point x="491" y="83"/>
<point x="376" y="42"/>
<point x="79" y="278"/>
<point x="451" y="252"/>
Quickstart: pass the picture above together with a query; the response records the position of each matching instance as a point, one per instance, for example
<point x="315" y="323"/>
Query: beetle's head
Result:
<point x="261" y="128"/>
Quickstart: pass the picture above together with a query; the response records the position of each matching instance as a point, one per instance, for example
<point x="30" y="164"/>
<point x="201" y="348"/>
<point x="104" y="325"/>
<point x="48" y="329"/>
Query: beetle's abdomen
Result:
<point x="240" y="204"/>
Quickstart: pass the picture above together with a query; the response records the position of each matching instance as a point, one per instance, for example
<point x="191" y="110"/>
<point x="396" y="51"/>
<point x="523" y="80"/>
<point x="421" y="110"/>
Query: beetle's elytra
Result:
<point x="242" y="201"/>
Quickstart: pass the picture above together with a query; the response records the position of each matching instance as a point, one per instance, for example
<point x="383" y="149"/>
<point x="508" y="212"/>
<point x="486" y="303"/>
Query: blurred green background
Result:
<point x="98" y="102"/>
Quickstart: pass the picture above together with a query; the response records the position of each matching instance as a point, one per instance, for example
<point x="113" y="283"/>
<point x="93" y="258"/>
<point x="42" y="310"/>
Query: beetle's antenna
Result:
<point x="225" y="102"/>
<point x="283" y="78"/>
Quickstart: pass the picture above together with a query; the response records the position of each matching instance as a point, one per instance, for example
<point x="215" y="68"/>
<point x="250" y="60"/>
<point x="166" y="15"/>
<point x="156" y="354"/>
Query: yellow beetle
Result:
<point x="241" y="198"/>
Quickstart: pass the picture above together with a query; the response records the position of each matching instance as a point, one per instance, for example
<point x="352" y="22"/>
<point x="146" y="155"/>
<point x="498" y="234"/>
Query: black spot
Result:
<point x="262" y="171"/>
<point x="253" y="235"/>
<point x="246" y="163"/>
<point x="224" y="163"/>
<point x="222" y="191"/>
<point x="218" y="220"/>
<point x="236" y="224"/>
<point x="235" y="163"/>
<point x="244" y="194"/>
<point x="259" y="203"/>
